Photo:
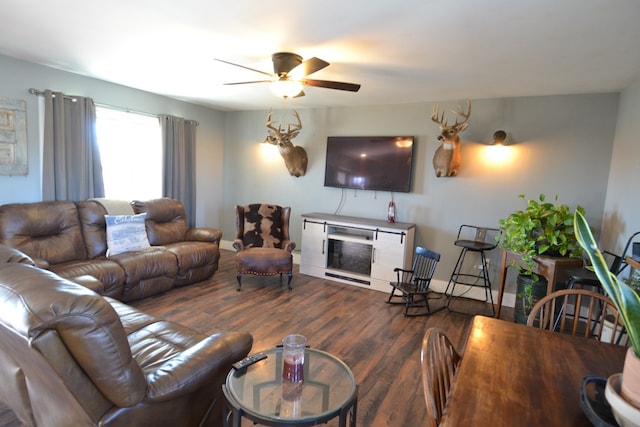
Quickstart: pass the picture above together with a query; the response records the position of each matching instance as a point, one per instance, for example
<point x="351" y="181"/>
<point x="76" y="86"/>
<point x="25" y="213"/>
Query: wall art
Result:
<point x="13" y="137"/>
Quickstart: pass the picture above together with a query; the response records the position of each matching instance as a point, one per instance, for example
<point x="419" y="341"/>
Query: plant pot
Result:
<point x="528" y="292"/>
<point x="625" y="414"/>
<point x="630" y="388"/>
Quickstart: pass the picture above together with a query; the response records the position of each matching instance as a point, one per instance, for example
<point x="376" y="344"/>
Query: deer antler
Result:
<point x="270" y="123"/>
<point x="439" y="117"/>
<point x="435" y="118"/>
<point x="463" y="114"/>
<point x="296" y="127"/>
<point x="291" y="127"/>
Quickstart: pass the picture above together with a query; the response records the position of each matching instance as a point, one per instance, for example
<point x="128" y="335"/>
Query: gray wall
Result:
<point x="561" y="145"/>
<point x="16" y="77"/>
<point x="622" y="207"/>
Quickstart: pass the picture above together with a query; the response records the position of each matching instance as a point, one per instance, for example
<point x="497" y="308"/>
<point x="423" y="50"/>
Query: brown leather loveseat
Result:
<point x="71" y="357"/>
<point x="69" y="239"/>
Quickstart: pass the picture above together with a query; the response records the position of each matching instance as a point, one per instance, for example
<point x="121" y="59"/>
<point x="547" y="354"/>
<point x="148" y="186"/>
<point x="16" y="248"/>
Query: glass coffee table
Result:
<point x="257" y="393"/>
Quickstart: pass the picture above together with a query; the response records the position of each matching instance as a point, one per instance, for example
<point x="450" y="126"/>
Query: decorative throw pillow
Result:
<point x="125" y="233"/>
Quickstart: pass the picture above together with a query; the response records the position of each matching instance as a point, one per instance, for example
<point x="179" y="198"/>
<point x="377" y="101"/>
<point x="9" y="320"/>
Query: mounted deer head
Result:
<point x="447" y="158"/>
<point x="295" y="157"/>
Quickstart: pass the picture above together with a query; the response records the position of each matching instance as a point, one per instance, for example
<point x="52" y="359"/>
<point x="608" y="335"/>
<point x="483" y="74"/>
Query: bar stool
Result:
<point x="479" y="240"/>
<point x="586" y="277"/>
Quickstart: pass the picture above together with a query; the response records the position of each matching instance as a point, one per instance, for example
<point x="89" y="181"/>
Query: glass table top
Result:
<point x="328" y="386"/>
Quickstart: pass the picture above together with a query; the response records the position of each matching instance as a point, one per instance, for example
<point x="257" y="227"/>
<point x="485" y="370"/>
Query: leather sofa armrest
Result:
<point x="41" y="263"/>
<point x="238" y="245"/>
<point x="197" y="365"/>
<point x="89" y="282"/>
<point x="12" y="255"/>
<point x="204" y="234"/>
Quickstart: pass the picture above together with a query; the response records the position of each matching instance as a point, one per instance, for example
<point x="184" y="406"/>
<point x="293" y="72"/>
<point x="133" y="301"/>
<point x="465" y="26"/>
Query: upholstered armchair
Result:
<point x="262" y="241"/>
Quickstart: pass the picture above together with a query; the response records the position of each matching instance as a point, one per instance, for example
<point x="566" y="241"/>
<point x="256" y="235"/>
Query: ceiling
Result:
<point x="400" y="51"/>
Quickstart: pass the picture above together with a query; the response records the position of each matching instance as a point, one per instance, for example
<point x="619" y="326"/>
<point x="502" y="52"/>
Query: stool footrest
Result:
<point x="476" y="285"/>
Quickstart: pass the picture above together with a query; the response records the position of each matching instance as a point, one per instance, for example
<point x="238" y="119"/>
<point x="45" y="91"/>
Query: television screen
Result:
<point x="369" y="162"/>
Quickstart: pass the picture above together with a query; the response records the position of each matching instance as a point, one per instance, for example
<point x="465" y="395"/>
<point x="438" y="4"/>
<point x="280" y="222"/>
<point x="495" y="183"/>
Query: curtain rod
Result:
<point x="41" y="93"/>
<point x="113" y="107"/>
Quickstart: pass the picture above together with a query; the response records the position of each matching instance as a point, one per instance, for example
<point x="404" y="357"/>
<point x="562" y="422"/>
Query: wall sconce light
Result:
<point x="286" y="88"/>
<point x="497" y="152"/>
<point x="499" y="138"/>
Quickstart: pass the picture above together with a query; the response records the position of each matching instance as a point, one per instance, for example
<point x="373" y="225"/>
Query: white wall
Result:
<point x="16" y="77"/>
<point x="622" y="207"/>
<point x="561" y="145"/>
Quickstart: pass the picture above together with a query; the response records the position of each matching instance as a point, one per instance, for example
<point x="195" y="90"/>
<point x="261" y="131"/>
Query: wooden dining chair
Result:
<point x="439" y="362"/>
<point x="579" y="312"/>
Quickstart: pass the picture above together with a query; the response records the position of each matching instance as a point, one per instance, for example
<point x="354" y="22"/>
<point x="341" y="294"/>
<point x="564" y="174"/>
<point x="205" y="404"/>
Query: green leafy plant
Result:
<point x="542" y="228"/>
<point x="624" y="297"/>
<point x="527" y="298"/>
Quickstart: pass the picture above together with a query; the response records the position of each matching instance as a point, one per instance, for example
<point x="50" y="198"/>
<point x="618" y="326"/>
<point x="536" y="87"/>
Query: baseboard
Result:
<point x="508" y="300"/>
<point x="474" y="292"/>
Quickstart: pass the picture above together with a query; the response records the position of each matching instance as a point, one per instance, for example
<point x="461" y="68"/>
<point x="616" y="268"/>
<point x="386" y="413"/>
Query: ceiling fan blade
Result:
<point x="242" y="66"/>
<point x="351" y="87"/>
<point x="300" y="94"/>
<point x="307" y="67"/>
<point x="245" y="83"/>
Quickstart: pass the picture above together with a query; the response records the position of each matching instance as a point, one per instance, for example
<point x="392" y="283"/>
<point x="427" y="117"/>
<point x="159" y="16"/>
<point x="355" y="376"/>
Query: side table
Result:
<point x="329" y="390"/>
<point x="548" y="267"/>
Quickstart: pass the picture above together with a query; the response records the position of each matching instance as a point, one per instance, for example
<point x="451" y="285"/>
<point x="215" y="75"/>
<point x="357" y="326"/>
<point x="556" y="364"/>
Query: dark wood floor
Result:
<point x="381" y="346"/>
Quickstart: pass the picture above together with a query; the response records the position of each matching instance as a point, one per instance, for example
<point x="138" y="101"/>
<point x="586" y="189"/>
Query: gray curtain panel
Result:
<point x="179" y="171"/>
<point x="71" y="167"/>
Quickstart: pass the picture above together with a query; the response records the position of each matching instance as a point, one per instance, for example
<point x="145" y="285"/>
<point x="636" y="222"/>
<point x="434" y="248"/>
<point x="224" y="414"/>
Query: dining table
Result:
<point x="516" y="375"/>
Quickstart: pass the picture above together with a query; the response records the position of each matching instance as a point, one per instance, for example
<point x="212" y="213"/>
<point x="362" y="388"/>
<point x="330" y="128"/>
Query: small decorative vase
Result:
<point x="630" y="388"/>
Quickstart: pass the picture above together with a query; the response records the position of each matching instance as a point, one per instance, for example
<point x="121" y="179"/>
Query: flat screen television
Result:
<point x="381" y="163"/>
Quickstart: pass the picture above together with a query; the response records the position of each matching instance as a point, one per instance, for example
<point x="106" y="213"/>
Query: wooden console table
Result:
<point x="548" y="267"/>
<point x="356" y="251"/>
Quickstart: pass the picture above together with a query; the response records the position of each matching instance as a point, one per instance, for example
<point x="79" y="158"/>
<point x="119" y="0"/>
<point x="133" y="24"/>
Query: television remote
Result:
<point x="249" y="360"/>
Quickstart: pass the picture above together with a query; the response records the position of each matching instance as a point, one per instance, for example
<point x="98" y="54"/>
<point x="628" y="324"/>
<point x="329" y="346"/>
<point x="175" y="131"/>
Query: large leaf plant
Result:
<point x="624" y="297"/>
<point x="541" y="228"/>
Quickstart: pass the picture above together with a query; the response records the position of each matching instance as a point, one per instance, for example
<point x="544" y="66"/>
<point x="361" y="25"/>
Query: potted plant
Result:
<point x="541" y="228"/>
<point x="626" y="301"/>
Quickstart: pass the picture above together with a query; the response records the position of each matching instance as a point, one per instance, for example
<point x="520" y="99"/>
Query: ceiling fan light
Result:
<point x="286" y="88"/>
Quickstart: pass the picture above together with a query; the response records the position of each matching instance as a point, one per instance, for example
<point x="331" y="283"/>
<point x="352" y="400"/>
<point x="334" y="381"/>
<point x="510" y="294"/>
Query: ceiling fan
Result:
<point x="289" y="75"/>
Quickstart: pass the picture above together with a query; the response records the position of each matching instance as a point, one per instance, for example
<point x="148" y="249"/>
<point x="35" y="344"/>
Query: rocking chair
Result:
<point x="413" y="285"/>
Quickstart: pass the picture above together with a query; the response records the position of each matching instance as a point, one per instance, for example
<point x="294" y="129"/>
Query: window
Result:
<point x="131" y="154"/>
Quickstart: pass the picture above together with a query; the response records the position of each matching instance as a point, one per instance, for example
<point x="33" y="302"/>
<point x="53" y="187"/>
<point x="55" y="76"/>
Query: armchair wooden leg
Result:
<point x="290" y="275"/>
<point x="239" y="278"/>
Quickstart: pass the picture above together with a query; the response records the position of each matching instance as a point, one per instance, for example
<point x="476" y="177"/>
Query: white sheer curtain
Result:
<point x="179" y="142"/>
<point x="71" y="167"/>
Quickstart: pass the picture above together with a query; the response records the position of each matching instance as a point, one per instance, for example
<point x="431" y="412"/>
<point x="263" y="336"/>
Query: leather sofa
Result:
<point x="71" y="357"/>
<point x="69" y="239"/>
